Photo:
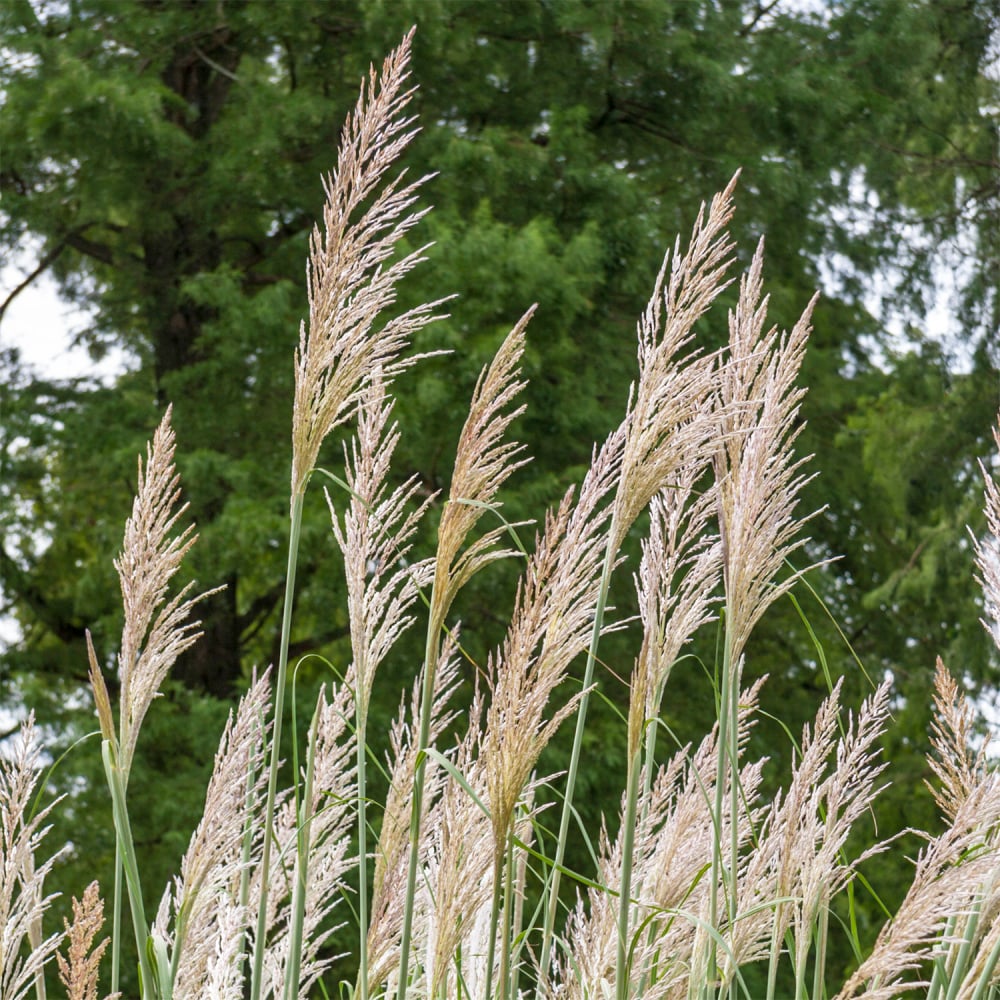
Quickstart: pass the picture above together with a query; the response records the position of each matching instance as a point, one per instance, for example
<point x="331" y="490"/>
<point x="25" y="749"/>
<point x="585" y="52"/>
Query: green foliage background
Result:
<point x="162" y="160"/>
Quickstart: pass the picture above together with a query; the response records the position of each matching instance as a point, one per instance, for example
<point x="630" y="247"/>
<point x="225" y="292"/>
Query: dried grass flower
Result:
<point x="80" y="969"/>
<point x="671" y="888"/>
<point x="374" y="540"/>
<point x="552" y="623"/>
<point x="988" y="551"/>
<point x="156" y="630"/>
<point x="678" y="573"/>
<point x="207" y="889"/>
<point x="669" y="415"/>
<point x="759" y="479"/>
<point x="349" y="284"/>
<point x="23" y="903"/>
<point x="390" y="878"/>
<point x="955" y="873"/>
<point x="483" y="463"/>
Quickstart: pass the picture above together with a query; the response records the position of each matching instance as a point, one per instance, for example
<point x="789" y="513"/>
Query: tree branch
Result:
<point x="763" y="9"/>
<point x="88" y="247"/>
<point x="43" y="266"/>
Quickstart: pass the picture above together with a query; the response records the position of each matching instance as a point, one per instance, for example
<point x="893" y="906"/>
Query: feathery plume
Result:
<point x="955" y="873"/>
<point x="668" y="425"/>
<point x="758" y="478"/>
<point x="22" y="902"/>
<point x="207" y="888"/>
<point x="375" y="540"/>
<point x="390" y="880"/>
<point x="324" y="821"/>
<point x="668" y="418"/>
<point x="798" y="859"/>
<point x="974" y="939"/>
<point x="348" y="285"/>
<point x="351" y="281"/>
<point x="958" y="769"/>
<point x="381" y="586"/>
<point x="949" y="873"/>
<point x="988" y="551"/>
<point x="457" y="859"/>
<point x="757" y="486"/>
<point x="223" y="978"/>
<point x="671" y="610"/>
<point x="679" y="570"/>
<point x="461" y="878"/>
<point x="156" y="630"/>
<point x="483" y="463"/>
<point x="79" y="970"/>
<point x="673" y="838"/>
<point x="552" y="623"/>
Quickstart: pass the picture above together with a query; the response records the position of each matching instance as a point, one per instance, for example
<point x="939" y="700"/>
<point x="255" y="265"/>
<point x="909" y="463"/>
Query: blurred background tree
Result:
<point x="162" y="160"/>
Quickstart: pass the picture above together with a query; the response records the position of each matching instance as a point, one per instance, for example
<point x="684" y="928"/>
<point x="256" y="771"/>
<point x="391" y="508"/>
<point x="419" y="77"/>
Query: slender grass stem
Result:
<point x="495" y="907"/>
<point x="649" y="760"/>
<point x="507" y="935"/>
<point x="180" y="933"/>
<point x="303" y="837"/>
<point x="649" y="757"/>
<point x="628" y="851"/>
<point x="724" y="759"/>
<point x="423" y="738"/>
<point x="773" y="958"/>
<point x="362" y="744"/>
<point x="938" y="978"/>
<point x="800" y="969"/>
<point x="520" y="873"/>
<point x="272" y="781"/>
<point x="822" y="936"/>
<point x="986" y="981"/>
<point x="116" y="922"/>
<point x="733" y="751"/>
<point x="961" y="963"/>
<point x="574" y="762"/>
<point x="130" y="867"/>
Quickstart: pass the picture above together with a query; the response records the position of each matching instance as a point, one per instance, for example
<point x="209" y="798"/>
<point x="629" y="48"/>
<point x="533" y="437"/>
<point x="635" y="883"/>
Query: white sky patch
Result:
<point x="951" y="271"/>
<point x="42" y="326"/>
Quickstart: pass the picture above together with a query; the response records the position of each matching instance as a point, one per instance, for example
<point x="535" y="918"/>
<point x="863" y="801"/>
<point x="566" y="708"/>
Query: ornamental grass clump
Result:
<point x="446" y="884"/>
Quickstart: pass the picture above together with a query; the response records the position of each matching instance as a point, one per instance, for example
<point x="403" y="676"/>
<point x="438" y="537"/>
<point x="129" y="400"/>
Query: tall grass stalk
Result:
<point x="130" y="865"/>
<point x="723" y="872"/>
<point x="116" y="922"/>
<point x="666" y="424"/>
<point x="625" y="895"/>
<point x="303" y="834"/>
<point x="280" y="684"/>
<point x="562" y="840"/>
<point x="483" y="462"/>
<point x="416" y="810"/>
